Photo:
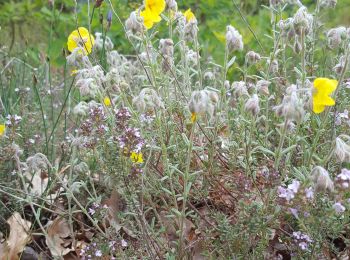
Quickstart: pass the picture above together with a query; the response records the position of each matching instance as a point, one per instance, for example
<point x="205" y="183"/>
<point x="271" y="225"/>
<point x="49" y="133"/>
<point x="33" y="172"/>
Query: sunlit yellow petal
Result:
<point x="193" y="117"/>
<point x="317" y="108"/>
<point x="136" y="157"/>
<point x="323" y="88"/>
<point x="189" y="15"/>
<point x="107" y="101"/>
<point x="147" y="19"/>
<point x="2" y="129"/>
<point x="155" y="6"/>
<point x="80" y="38"/>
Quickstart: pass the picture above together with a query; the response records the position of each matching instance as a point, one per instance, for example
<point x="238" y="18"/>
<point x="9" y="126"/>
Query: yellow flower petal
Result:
<point x="189" y="15"/>
<point x="155" y="6"/>
<point x="317" y="108"/>
<point x="323" y="88"/>
<point x="193" y="117"/>
<point x="107" y="101"/>
<point x="148" y="19"/>
<point x="2" y="129"/>
<point x="80" y="38"/>
<point x="136" y="157"/>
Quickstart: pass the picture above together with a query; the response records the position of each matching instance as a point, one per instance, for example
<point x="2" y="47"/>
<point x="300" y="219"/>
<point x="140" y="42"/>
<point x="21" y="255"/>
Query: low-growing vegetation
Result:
<point x="166" y="153"/>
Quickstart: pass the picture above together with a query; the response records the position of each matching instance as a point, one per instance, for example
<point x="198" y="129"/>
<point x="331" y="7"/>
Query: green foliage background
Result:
<point x="39" y="28"/>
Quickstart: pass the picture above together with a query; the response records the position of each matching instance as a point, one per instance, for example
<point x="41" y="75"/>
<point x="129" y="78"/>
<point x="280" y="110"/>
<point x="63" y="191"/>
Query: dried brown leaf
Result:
<point x="17" y="239"/>
<point x="59" y="237"/>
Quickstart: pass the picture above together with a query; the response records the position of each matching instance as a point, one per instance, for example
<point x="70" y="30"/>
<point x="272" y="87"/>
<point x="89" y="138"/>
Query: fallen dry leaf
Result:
<point x="59" y="238"/>
<point x="17" y="239"/>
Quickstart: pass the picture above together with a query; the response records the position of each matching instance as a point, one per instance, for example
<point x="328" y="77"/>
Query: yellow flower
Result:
<point x="151" y="14"/>
<point x="2" y="129"/>
<point x="80" y="38"/>
<point x="73" y="72"/>
<point x="193" y="117"/>
<point x="136" y="157"/>
<point x="189" y="15"/>
<point x="155" y="6"/>
<point x="107" y="101"/>
<point x="323" y="88"/>
<point x="149" y="18"/>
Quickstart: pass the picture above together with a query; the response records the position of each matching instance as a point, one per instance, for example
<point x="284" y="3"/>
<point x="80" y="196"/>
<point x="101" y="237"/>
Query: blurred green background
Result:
<point x="40" y="28"/>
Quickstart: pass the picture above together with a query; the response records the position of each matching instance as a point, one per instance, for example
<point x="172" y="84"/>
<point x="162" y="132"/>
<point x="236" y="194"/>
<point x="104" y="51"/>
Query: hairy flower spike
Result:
<point x="171" y="5"/>
<point x="263" y="87"/>
<point x="148" y="101"/>
<point x="239" y="89"/>
<point x="321" y="179"/>
<point x="252" y="57"/>
<point x="335" y="37"/>
<point x="203" y="102"/>
<point x="166" y="47"/>
<point x="252" y="105"/>
<point x="342" y="148"/>
<point x="133" y="24"/>
<point x="291" y="107"/>
<point x="302" y="21"/>
<point x="234" y="40"/>
<point x="328" y="3"/>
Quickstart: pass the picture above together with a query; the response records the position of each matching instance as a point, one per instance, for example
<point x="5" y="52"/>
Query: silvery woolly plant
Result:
<point x="244" y="159"/>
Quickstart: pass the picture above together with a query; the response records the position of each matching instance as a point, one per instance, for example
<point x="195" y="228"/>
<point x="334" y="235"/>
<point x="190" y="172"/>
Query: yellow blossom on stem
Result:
<point x="81" y="38"/>
<point x="189" y="15"/>
<point x="151" y="14"/>
<point x="193" y="117"/>
<point x="107" y="101"/>
<point x="155" y="6"/>
<point x="2" y="129"/>
<point x="73" y="72"/>
<point x="136" y="157"/>
<point x="323" y="88"/>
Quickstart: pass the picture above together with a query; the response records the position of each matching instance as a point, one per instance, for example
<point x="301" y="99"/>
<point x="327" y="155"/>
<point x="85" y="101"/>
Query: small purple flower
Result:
<point x="13" y="120"/>
<point x="338" y="207"/>
<point x="98" y="253"/>
<point x="92" y="211"/>
<point x="294" y="212"/>
<point x="302" y="240"/>
<point x="289" y="192"/>
<point x="124" y="243"/>
<point x="309" y="193"/>
<point x="294" y="186"/>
